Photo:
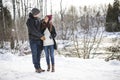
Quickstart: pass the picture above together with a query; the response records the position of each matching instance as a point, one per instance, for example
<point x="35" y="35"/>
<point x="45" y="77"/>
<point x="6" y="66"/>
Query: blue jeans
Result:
<point x="36" y="49"/>
<point x="49" y="53"/>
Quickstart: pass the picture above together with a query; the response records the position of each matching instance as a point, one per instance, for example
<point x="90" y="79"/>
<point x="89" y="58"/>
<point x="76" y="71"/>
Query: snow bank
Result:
<point x="7" y="56"/>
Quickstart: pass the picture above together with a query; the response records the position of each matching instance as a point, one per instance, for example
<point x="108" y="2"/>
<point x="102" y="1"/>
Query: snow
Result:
<point x="13" y="67"/>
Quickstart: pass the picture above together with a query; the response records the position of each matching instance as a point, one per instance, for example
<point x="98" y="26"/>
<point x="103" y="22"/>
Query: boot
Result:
<point x="53" y="68"/>
<point x="37" y="70"/>
<point x="48" y="69"/>
<point x="42" y="70"/>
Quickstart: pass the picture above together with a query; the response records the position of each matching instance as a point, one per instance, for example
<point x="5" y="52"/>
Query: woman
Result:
<point x="49" y="42"/>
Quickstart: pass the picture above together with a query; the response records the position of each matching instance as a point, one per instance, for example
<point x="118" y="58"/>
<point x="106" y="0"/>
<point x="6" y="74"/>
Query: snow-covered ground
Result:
<point x="13" y="67"/>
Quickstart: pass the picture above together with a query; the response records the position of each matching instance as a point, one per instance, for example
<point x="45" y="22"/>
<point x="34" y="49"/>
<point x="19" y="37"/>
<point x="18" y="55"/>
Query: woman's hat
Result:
<point x="50" y="17"/>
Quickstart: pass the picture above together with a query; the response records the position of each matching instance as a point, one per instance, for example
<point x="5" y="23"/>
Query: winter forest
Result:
<point x="88" y="38"/>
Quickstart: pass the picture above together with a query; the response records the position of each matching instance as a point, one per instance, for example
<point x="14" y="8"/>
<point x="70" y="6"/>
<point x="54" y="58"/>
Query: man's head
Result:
<point x="35" y="12"/>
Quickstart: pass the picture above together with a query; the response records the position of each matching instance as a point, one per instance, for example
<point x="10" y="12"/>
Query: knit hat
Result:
<point x="50" y="17"/>
<point x="35" y="11"/>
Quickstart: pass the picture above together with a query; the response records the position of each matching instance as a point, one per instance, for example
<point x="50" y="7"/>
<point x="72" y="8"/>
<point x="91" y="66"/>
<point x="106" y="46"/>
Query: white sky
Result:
<point x="65" y="3"/>
<point x="77" y="3"/>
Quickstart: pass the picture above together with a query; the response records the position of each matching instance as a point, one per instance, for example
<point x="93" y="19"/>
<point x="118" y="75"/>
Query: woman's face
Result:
<point x="46" y="19"/>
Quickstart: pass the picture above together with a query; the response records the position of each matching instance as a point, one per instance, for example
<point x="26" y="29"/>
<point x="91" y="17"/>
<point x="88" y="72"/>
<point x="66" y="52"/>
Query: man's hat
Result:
<point x="35" y="11"/>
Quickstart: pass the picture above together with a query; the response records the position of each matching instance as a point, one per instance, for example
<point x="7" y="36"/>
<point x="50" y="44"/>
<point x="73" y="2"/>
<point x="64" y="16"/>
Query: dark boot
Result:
<point x="48" y="69"/>
<point x="37" y="70"/>
<point x="42" y="70"/>
<point x="53" y="68"/>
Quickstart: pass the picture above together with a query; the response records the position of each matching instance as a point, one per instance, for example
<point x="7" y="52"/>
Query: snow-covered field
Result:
<point x="13" y="67"/>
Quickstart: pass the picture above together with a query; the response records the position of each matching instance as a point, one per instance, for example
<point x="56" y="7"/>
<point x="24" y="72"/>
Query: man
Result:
<point x="35" y="38"/>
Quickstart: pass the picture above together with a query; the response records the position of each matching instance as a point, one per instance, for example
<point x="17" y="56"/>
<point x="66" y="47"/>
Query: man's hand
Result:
<point x="42" y="38"/>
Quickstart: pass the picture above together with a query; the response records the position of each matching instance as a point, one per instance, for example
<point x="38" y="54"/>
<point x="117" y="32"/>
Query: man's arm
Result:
<point x="32" y="30"/>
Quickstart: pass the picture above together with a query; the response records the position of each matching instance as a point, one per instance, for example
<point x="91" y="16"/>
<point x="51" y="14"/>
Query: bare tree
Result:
<point x="62" y="12"/>
<point x="1" y="30"/>
<point x="14" y="9"/>
<point x="5" y="27"/>
<point x="51" y="6"/>
<point x="91" y="40"/>
<point x="45" y="8"/>
<point x="41" y="7"/>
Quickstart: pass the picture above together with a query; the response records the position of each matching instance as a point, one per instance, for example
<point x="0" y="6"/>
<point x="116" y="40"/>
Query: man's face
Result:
<point x="38" y="15"/>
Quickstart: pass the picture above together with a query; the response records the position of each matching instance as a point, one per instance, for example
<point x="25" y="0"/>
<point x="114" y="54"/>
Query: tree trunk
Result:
<point x="12" y="44"/>
<point x="41" y="7"/>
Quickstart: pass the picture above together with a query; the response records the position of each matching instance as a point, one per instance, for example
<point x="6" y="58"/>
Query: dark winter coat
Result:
<point x="34" y="30"/>
<point x="51" y="30"/>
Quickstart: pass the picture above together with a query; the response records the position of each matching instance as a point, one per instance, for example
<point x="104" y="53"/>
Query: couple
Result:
<point x="41" y="36"/>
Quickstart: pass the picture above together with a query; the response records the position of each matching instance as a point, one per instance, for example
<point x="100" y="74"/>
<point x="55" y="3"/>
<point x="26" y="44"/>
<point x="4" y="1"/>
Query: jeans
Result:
<point x="36" y="49"/>
<point x="49" y="53"/>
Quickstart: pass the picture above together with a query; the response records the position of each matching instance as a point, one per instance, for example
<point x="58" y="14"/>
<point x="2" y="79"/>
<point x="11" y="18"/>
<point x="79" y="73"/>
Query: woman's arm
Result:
<point x="53" y="33"/>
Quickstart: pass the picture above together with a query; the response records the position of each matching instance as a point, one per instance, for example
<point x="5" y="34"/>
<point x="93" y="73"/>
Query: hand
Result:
<point x="42" y="38"/>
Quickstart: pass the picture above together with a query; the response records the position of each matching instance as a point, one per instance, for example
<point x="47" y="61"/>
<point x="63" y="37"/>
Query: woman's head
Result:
<point x="48" y="18"/>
